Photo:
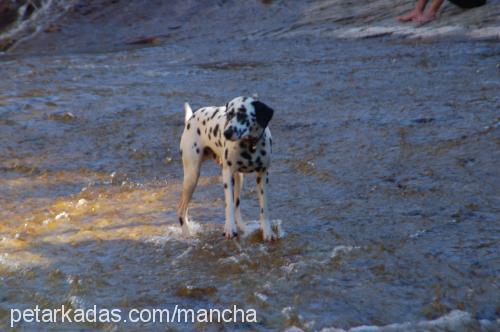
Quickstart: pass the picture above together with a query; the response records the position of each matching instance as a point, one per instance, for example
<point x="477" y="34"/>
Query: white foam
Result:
<point x="62" y="215"/>
<point x="261" y="297"/>
<point x="235" y="259"/>
<point x="456" y="321"/>
<point x="338" y="250"/>
<point x="81" y="202"/>
<point x="250" y="227"/>
<point x="417" y="234"/>
<point x="293" y="267"/>
<point x="279" y="228"/>
<point x="174" y="233"/>
<point x="253" y="226"/>
<point x="182" y="255"/>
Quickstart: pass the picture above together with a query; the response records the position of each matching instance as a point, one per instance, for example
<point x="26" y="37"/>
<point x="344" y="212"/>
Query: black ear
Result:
<point x="263" y="113"/>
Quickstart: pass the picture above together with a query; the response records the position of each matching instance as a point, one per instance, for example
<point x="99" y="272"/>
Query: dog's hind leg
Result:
<point x="265" y="224"/>
<point x="229" y="182"/>
<point x="191" y="175"/>
<point x="238" y="186"/>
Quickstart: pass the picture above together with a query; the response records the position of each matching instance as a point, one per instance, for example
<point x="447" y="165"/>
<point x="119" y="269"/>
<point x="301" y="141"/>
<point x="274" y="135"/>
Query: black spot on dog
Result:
<point x="267" y="180"/>
<point x="214" y="114"/>
<point x="263" y="152"/>
<point x="258" y="180"/>
<point x="204" y="122"/>
<point x="194" y="144"/>
<point x="225" y="153"/>
<point x="225" y="185"/>
<point x="262" y="191"/>
<point x="197" y="150"/>
<point x="216" y="130"/>
<point x="181" y="221"/>
<point x="237" y="202"/>
<point x="246" y="155"/>
<point x="188" y="126"/>
<point x="229" y="163"/>
<point x="261" y="211"/>
<point x="198" y="131"/>
<point x="232" y="180"/>
<point x="230" y="115"/>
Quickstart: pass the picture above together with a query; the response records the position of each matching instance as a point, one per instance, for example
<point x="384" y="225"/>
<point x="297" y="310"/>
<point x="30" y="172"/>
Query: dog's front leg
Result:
<point x="238" y="185"/>
<point x="265" y="224"/>
<point x="228" y="180"/>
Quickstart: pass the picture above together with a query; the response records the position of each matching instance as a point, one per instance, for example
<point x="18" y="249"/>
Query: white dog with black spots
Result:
<point x="237" y="137"/>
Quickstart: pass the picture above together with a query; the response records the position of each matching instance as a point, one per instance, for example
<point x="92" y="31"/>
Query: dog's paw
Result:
<point x="230" y="232"/>
<point x="230" y="235"/>
<point x="185" y="230"/>
<point x="269" y="235"/>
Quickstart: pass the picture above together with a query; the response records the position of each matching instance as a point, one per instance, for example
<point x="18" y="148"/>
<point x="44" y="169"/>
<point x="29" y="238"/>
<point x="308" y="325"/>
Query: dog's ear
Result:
<point x="263" y="113"/>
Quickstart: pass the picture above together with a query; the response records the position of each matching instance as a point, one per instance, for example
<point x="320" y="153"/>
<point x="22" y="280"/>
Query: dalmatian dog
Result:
<point x="238" y="138"/>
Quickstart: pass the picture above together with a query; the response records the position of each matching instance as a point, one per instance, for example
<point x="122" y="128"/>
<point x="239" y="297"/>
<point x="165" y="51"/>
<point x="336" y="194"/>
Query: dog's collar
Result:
<point x="253" y="141"/>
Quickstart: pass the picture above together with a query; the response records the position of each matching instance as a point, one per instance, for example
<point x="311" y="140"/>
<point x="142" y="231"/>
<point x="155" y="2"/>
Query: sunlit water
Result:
<point x="384" y="183"/>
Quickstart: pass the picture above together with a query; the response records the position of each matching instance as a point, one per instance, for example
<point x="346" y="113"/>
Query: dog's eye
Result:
<point x="242" y="116"/>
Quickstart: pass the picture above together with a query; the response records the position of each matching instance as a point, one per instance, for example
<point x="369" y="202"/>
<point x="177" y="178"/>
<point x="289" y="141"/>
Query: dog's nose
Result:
<point x="228" y="133"/>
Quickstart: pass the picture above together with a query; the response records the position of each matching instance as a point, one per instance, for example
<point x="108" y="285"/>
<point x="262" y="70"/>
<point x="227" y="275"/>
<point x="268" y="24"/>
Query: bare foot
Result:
<point x="410" y="16"/>
<point x="424" y="19"/>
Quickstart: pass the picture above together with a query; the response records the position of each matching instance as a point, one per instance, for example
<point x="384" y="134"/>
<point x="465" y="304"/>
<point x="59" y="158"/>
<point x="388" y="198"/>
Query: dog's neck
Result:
<point x="254" y="140"/>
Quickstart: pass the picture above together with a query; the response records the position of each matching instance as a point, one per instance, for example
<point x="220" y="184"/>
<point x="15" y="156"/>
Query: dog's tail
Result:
<point x="188" y="111"/>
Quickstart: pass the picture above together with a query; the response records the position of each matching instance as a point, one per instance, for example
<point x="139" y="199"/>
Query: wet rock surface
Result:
<point x="384" y="174"/>
<point x="96" y="26"/>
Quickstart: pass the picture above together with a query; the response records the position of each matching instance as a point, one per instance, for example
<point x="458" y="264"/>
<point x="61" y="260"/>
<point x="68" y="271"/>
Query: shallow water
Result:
<point x="384" y="178"/>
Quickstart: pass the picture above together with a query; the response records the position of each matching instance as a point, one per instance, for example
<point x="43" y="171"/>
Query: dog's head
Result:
<point x="246" y="119"/>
